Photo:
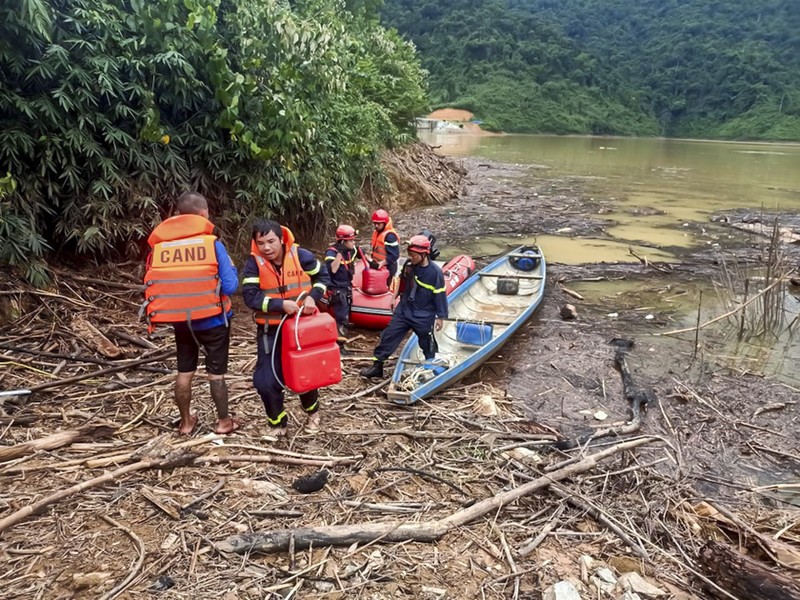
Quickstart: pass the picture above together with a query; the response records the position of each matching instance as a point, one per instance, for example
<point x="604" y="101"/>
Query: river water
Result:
<point x="655" y="194"/>
<point x="682" y="180"/>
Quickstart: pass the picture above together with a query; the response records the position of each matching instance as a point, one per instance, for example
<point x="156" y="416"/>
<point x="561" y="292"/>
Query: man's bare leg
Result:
<point x="183" y="398"/>
<point x="219" y="394"/>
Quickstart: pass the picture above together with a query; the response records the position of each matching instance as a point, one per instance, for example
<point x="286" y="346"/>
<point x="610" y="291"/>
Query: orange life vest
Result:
<point x="379" y="241"/>
<point x="288" y="284"/>
<point x="182" y="281"/>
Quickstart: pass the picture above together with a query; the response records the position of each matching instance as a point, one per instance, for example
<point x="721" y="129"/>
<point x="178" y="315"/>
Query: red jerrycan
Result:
<point x="372" y="281"/>
<point x="375" y="281"/>
<point x="309" y="352"/>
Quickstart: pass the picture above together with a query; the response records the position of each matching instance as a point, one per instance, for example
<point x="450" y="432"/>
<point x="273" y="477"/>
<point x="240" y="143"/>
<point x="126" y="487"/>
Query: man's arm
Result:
<point x="392" y="243"/>
<point x="228" y="274"/>
<point x="333" y="260"/>
<point x="320" y="280"/>
<point x="440" y="295"/>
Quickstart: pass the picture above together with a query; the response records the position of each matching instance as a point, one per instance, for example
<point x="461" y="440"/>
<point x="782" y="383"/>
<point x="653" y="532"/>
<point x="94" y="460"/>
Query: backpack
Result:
<point x="434" y="249"/>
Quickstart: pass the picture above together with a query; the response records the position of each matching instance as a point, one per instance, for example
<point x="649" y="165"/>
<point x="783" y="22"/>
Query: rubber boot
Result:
<point x="374" y="371"/>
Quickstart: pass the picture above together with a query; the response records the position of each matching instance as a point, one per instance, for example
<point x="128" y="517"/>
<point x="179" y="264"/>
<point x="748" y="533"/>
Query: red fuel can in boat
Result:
<point x="310" y="354"/>
<point x="375" y="281"/>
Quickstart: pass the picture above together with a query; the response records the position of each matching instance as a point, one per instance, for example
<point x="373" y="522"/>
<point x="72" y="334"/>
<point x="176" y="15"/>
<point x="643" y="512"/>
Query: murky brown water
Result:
<point x="648" y="188"/>
<point x="654" y="193"/>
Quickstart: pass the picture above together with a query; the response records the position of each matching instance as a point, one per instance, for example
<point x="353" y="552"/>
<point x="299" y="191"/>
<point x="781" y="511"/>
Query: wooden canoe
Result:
<point x="480" y="321"/>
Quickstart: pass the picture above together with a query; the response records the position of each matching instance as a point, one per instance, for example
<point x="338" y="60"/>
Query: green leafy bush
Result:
<point x="110" y="108"/>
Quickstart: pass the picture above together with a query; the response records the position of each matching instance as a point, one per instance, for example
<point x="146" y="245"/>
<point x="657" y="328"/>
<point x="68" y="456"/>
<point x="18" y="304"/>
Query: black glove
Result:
<point x="373" y="264"/>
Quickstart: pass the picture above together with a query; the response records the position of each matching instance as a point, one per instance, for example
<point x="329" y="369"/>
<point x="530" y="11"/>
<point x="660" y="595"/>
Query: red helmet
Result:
<point x="380" y="216"/>
<point x="345" y="232"/>
<point x="419" y="244"/>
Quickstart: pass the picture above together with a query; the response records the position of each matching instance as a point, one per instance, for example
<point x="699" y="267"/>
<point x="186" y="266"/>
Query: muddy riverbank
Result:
<point x="563" y="371"/>
<point x="142" y="512"/>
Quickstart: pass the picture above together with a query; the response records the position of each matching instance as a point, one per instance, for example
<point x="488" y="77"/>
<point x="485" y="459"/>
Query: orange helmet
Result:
<point x="345" y="232"/>
<point x="380" y="216"/>
<point x="419" y="244"/>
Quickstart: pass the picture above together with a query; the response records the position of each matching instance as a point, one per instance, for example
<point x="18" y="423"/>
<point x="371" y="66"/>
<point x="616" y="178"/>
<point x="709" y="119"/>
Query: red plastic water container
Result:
<point x="309" y="352"/>
<point x="375" y="281"/>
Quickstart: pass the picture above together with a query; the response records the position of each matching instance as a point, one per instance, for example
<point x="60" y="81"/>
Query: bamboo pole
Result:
<point x="57" y="440"/>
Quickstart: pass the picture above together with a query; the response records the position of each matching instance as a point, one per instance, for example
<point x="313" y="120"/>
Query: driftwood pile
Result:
<point x="463" y="497"/>
<point x="417" y="176"/>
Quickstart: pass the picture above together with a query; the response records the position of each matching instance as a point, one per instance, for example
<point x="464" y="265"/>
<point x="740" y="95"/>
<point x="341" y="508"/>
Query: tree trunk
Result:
<point x="745" y="577"/>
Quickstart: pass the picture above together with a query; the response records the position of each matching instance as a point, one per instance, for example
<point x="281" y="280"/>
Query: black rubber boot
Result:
<point x="375" y="371"/>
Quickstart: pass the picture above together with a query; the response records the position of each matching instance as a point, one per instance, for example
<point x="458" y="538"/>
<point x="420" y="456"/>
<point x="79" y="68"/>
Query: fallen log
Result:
<point x="745" y="577"/>
<point x="399" y="531"/>
<point x="57" y="440"/>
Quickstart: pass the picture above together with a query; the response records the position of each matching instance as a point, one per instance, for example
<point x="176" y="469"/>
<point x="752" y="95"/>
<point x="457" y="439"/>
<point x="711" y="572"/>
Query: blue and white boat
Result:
<point x="484" y="312"/>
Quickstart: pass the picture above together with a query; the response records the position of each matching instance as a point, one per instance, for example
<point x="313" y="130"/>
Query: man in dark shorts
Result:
<point x="189" y="280"/>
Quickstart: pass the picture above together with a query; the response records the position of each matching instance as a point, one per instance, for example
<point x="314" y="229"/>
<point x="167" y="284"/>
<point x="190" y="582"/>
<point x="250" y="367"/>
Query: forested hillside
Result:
<point x="110" y="108"/>
<point x="694" y="68"/>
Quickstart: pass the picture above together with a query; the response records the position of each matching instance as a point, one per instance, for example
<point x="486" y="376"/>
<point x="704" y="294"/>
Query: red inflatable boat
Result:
<point x="375" y="311"/>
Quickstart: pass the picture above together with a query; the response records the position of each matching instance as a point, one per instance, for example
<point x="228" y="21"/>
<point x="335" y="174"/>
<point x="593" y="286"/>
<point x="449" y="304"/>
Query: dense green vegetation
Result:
<point x="110" y="108"/>
<point x="693" y="68"/>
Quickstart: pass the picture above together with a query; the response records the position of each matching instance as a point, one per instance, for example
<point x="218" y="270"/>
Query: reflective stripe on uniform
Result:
<point x="187" y="280"/>
<point x="315" y="270"/>
<point x="321" y="286"/>
<point x="251" y="280"/>
<point x="183" y="295"/>
<point x="428" y="286"/>
<point x="313" y="407"/>
<point x="182" y="311"/>
<point x="277" y="421"/>
<point x="265" y="304"/>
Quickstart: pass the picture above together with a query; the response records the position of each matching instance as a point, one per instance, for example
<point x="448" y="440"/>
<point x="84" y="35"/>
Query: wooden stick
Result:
<point x="284" y="460"/>
<point x="549" y="526"/>
<point x="395" y="531"/>
<point x="433" y="435"/>
<point x="605" y="519"/>
<point x="746" y="577"/>
<point x="570" y="292"/>
<point x="123" y="585"/>
<point x="57" y="440"/>
<point x="726" y="315"/>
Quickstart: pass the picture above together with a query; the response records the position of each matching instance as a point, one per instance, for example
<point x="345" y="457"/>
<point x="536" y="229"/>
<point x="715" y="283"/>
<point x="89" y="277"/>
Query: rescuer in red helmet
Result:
<point x="422" y="307"/>
<point x="385" y="243"/>
<point x="339" y="260"/>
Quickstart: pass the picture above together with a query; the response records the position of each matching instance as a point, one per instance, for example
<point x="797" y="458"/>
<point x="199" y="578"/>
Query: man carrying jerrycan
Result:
<point x="280" y="279"/>
<point x="423" y="305"/>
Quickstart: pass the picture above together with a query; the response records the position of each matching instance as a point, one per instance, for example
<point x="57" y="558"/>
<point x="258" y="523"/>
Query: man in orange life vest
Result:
<point x="275" y="275"/>
<point x="385" y="243"/>
<point x="188" y="283"/>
